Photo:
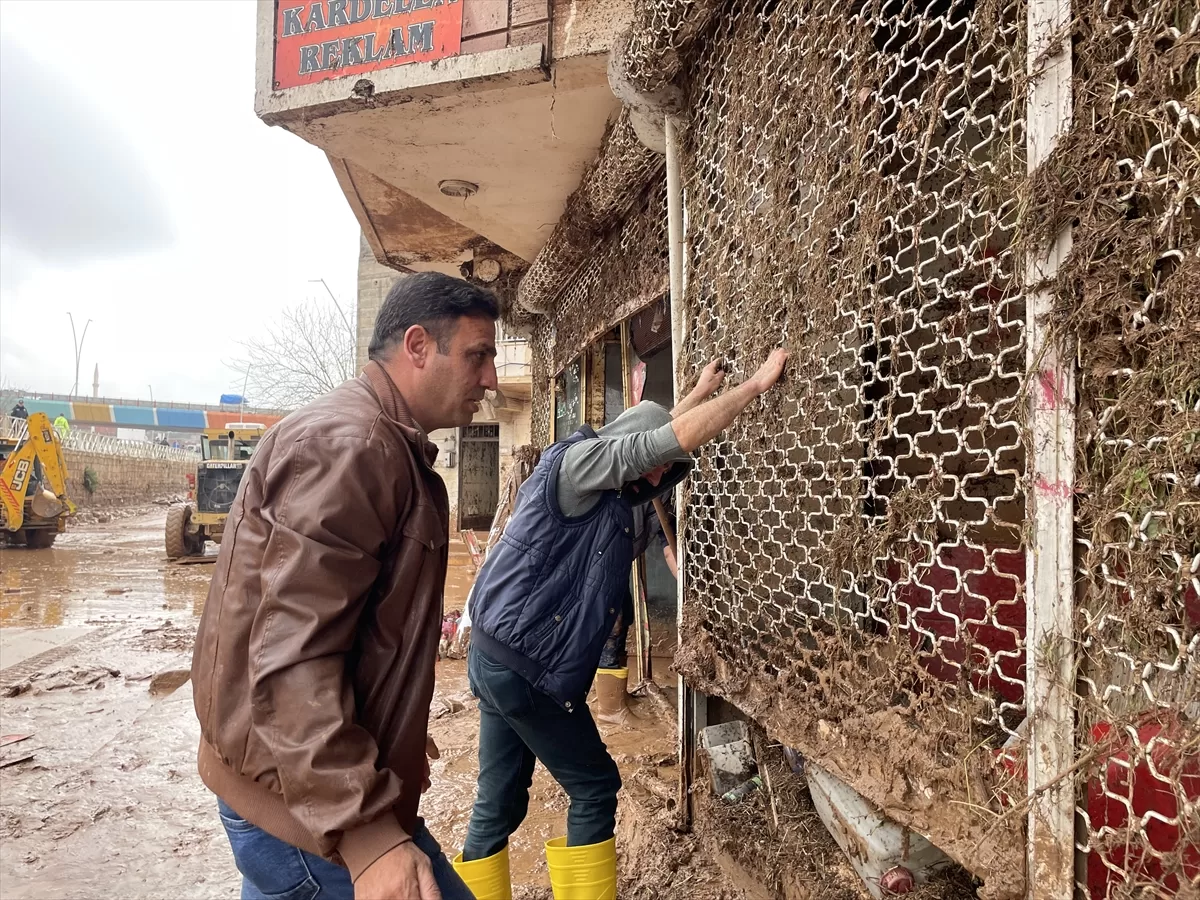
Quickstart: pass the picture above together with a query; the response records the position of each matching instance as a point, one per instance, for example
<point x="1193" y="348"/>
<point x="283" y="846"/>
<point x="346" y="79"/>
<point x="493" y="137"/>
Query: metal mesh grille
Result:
<point x="541" y="411"/>
<point x="855" y="565"/>
<point x="1128" y="178"/>
<point x="610" y="187"/>
<point x="627" y="272"/>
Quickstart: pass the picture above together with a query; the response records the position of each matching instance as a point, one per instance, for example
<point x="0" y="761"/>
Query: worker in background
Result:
<point x="543" y="605"/>
<point x="612" y="676"/>
<point x="19" y="411"/>
<point x="314" y="659"/>
<point x="62" y="426"/>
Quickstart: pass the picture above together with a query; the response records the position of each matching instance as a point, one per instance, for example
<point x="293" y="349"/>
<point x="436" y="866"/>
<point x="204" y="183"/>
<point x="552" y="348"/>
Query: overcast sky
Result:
<point x="139" y="190"/>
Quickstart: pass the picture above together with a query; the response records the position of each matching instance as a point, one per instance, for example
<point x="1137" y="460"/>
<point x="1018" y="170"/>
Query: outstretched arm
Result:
<point x="707" y="384"/>
<point x="702" y="423"/>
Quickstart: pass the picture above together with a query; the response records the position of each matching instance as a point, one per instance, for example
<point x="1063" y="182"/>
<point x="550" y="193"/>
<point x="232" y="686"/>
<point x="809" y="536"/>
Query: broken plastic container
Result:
<point x="875" y="845"/>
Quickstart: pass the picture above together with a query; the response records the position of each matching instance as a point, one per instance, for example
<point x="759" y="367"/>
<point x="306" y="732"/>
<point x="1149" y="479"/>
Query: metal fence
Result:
<point x="103" y="444"/>
<point x="955" y="557"/>
<point x="855" y="571"/>
<point x="880" y="558"/>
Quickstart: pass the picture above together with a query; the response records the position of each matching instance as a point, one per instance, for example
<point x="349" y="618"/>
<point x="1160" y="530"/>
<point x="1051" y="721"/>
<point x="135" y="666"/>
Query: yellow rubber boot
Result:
<point x="611" y="698"/>
<point x="488" y="877"/>
<point x="582" y="873"/>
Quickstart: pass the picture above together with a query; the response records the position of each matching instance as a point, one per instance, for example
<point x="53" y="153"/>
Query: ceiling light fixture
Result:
<point x="456" y="187"/>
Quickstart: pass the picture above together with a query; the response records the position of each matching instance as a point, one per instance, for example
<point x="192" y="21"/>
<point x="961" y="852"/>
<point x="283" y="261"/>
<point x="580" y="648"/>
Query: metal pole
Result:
<point x="675" y="246"/>
<point x="245" y="382"/>
<point x="77" y="343"/>
<point x="336" y="304"/>
<point x="1050" y="599"/>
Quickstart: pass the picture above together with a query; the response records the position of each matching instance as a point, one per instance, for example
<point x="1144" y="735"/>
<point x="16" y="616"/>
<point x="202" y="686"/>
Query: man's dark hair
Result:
<point x="435" y="302"/>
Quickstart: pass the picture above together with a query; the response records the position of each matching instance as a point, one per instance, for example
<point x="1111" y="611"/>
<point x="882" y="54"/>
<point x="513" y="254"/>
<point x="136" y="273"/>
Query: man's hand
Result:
<point x="403" y="873"/>
<point x="707" y="384"/>
<point x="431" y="752"/>
<point x="710" y="380"/>
<point x="699" y="425"/>
<point x="768" y="373"/>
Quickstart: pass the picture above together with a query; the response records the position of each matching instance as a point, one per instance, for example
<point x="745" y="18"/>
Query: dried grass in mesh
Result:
<point x="855" y="574"/>
<point x="1126" y="177"/>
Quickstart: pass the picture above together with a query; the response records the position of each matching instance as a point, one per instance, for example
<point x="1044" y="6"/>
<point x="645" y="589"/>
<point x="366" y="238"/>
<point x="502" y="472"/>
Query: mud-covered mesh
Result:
<point x="609" y="189"/>
<point x="661" y="35"/>
<point x="625" y="273"/>
<point x="855" y="561"/>
<point x="542" y="396"/>
<point x="1128" y="177"/>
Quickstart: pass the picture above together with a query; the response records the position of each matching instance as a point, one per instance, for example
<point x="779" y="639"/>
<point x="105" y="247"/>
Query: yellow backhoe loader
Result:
<point x="33" y="487"/>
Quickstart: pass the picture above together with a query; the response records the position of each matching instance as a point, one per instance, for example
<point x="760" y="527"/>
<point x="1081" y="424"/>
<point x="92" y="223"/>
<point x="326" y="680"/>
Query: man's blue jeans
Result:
<point x="518" y="724"/>
<point x="273" y="870"/>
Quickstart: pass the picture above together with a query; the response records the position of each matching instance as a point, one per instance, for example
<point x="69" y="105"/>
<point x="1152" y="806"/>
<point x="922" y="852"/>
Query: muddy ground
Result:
<point x="99" y="796"/>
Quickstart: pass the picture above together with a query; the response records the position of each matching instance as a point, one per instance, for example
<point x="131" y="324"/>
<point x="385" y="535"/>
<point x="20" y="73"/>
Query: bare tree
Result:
<point x="309" y="352"/>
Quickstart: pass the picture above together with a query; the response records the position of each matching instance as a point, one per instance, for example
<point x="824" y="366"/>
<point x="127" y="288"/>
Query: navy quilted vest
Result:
<point x="552" y="587"/>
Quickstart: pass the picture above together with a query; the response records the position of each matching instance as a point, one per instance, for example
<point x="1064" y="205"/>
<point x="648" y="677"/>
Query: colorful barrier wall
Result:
<point x="165" y="418"/>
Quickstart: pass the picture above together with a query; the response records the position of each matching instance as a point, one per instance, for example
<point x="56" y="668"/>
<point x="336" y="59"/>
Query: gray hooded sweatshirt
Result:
<point x="640" y="439"/>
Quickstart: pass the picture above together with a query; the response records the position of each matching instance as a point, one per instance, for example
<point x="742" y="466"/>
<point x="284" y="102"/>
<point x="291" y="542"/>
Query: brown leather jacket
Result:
<point x="314" y="662"/>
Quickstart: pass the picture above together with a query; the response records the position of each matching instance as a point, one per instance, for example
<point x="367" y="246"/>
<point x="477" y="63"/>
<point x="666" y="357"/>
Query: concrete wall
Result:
<point x="374" y="281"/>
<point x="125" y="481"/>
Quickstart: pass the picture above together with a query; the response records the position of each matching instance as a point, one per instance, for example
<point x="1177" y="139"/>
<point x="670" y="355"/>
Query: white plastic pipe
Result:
<point x="675" y="246"/>
<point x="692" y="704"/>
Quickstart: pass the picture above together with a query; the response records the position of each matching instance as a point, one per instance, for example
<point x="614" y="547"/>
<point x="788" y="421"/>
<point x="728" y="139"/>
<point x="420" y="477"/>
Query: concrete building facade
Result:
<point x="950" y="564"/>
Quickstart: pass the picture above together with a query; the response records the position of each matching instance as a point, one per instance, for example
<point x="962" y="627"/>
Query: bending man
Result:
<point x="544" y="604"/>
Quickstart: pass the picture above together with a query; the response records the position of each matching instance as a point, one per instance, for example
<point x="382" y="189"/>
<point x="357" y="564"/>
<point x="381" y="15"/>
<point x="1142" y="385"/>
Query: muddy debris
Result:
<point x="166" y="637"/>
<point x="165" y="683"/>
<point x="66" y="678"/>
<point x="441" y="707"/>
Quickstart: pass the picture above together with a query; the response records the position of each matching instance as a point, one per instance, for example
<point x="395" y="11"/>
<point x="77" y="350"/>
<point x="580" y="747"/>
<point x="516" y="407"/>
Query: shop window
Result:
<point x="568" y="401"/>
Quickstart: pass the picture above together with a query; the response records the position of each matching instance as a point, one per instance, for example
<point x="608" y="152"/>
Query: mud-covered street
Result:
<point x="99" y="795"/>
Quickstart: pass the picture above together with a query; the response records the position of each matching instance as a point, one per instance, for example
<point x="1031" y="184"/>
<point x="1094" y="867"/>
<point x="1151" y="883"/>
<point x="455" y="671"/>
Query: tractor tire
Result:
<point x="40" y="538"/>
<point x="179" y="542"/>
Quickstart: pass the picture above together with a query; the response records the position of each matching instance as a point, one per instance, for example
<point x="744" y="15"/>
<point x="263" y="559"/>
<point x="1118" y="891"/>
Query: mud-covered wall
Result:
<point x="856" y="191"/>
<point x="124" y="480"/>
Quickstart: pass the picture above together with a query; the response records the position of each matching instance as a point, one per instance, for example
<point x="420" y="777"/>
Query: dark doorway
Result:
<point x="478" y="476"/>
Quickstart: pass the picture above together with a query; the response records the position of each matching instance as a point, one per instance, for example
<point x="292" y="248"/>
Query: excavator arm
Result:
<point x="44" y="445"/>
<point x="14" y="481"/>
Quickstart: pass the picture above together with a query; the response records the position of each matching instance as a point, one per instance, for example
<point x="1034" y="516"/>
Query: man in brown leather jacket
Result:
<point x="314" y="660"/>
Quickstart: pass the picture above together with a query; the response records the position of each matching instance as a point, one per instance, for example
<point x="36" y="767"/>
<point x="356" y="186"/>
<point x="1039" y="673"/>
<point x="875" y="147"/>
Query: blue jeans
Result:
<point x="273" y="870"/>
<point x="518" y="725"/>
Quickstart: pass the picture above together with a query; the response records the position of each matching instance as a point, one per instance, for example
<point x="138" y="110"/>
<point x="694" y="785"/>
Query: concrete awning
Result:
<point x="516" y="108"/>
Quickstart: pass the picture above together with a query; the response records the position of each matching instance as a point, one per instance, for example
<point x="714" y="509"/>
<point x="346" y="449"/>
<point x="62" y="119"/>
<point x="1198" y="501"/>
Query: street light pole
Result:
<point x="151" y="393"/>
<point x="78" y="349"/>
<point x="335" y="303"/>
<point x="245" y="384"/>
